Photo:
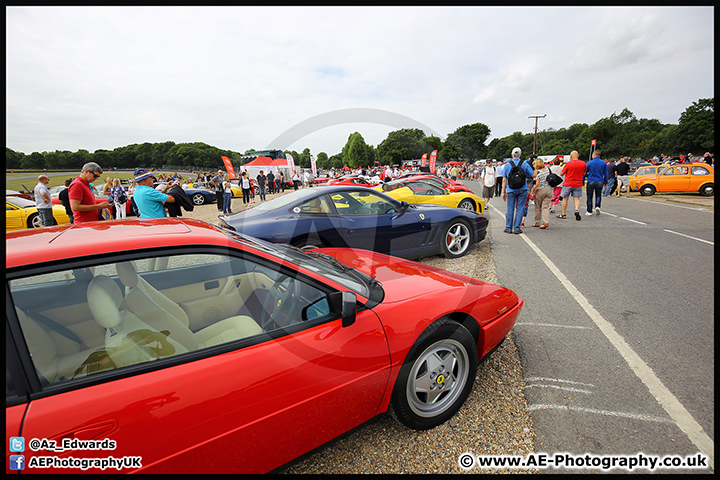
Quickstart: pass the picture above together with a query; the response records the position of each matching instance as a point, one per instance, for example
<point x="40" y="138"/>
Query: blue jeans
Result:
<point x="606" y="190"/>
<point x="227" y="202"/>
<point x="515" y="208"/>
<point x="46" y="216"/>
<point x="594" y="188"/>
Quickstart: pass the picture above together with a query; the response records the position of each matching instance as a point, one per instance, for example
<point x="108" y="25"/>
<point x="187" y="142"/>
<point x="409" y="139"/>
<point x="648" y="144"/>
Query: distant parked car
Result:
<point x="21" y="213"/>
<point x="690" y="177"/>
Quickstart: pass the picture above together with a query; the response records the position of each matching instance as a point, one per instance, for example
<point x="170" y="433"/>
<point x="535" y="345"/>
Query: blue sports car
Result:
<point x="357" y="217"/>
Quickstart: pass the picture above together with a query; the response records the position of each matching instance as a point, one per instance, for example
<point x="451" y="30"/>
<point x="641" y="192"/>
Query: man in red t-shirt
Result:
<point x="82" y="199"/>
<point x="573" y="171"/>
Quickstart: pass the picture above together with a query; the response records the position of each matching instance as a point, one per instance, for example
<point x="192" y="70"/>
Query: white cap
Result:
<point x="516" y="152"/>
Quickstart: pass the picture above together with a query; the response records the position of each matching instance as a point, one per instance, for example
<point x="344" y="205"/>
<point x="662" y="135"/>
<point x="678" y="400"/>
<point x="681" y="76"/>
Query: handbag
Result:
<point x="553" y="179"/>
<point x="122" y="198"/>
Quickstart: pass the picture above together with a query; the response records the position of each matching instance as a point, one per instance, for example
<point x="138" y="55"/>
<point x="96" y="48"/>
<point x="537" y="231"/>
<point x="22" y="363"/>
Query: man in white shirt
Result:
<point x="43" y="202"/>
<point x="488" y="177"/>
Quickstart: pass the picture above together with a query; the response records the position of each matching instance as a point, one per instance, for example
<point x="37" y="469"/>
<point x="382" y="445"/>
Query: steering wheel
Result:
<point x="279" y="301"/>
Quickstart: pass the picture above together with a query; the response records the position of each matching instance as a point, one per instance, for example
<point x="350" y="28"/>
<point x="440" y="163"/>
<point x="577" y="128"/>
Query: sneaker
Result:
<point x="588" y="214"/>
<point x="597" y="210"/>
<point x="577" y="216"/>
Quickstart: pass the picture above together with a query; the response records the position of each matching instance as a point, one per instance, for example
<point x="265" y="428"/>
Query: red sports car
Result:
<point x="352" y="180"/>
<point x="173" y="346"/>
<point x="448" y="183"/>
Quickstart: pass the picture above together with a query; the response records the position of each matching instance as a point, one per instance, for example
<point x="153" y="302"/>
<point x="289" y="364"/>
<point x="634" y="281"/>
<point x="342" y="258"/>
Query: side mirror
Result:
<point x="345" y="304"/>
<point x="404" y="205"/>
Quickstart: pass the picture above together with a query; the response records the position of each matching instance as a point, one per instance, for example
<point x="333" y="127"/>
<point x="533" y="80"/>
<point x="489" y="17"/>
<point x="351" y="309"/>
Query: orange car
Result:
<point x="642" y="171"/>
<point x="688" y="177"/>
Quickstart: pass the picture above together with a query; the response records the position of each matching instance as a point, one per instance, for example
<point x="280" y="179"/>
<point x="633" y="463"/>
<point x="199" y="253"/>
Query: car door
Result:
<point x="372" y="221"/>
<point x="674" y="179"/>
<point x="242" y="405"/>
<point x="699" y="177"/>
<point x="14" y="218"/>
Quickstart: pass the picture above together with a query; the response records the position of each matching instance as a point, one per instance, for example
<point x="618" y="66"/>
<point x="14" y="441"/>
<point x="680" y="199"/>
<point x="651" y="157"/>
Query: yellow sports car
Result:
<point x="21" y="213"/>
<point x="421" y="191"/>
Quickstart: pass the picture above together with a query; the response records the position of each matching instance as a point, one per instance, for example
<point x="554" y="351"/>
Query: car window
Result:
<point x="319" y="204"/>
<point x="700" y="171"/>
<point x="114" y="315"/>
<point x="362" y="203"/>
<point x="646" y="171"/>
<point x="423" y="188"/>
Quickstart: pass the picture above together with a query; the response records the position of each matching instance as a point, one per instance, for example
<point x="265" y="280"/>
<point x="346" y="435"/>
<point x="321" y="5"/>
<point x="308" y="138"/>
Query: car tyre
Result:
<point x="198" y="199"/>
<point x="34" y="221"/>
<point x="308" y="242"/>
<point x="707" y="190"/>
<point x="456" y="239"/>
<point x="467" y="204"/>
<point x="436" y="377"/>
<point x="647" y="190"/>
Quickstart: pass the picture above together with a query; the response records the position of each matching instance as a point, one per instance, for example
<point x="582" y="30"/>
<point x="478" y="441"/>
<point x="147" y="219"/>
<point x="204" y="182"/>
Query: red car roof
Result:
<point x="25" y="247"/>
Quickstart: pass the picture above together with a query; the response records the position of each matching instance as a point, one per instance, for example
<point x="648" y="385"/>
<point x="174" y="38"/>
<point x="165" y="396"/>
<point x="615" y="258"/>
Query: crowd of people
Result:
<point x="152" y="195"/>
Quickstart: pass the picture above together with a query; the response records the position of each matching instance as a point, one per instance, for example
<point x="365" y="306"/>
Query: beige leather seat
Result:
<point x="52" y="365"/>
<point x="162" y="313"/>
<point x="128" y="340"/>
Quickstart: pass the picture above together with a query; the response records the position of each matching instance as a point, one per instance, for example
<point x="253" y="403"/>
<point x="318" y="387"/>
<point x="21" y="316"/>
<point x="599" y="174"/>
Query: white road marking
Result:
<point x="552" y="325"/>
<point x="688" y="236"/>
<point x="683" y="419"/>
<point x="558" y="387"/>
<point x="559" y="380"/>
<point x="634" y="416"/>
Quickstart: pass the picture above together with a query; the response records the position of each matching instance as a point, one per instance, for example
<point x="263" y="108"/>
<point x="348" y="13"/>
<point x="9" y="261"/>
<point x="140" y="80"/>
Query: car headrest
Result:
<point x="127" y="274"/>
<point x="104" y="298"/>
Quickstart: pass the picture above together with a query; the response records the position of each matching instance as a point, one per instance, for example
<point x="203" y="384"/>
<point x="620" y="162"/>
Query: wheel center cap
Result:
<point x="440" y="379"/>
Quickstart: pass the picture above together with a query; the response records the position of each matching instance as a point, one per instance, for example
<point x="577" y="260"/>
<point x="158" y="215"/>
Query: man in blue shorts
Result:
<point x="150" y="202"/>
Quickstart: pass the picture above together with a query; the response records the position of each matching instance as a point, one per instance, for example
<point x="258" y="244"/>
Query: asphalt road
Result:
<point x="616" y="338"/>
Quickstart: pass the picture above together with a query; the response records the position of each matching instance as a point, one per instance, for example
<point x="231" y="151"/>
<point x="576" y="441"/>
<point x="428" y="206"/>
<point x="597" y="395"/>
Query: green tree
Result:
<point x="13" y="159"/>
<point x="34" y="161"/>
<point x="356" y="152"/>
<point x="323" y="161"/>
<point x="696" y="128"/>
<point x="401" y="145"/>
<point x="469" y="140"/>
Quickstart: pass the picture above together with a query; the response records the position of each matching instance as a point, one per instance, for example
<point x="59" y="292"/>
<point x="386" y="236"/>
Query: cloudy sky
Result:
<point x="242" y="78"/>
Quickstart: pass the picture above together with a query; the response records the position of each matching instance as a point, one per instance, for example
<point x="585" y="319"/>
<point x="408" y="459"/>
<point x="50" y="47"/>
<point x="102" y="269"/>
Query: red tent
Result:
<point x="453" y="162"/>
<point x="266" y="162"/>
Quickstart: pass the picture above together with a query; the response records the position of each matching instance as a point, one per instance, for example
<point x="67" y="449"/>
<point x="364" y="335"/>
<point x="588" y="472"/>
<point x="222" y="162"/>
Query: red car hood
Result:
<point x="401" y="279"/>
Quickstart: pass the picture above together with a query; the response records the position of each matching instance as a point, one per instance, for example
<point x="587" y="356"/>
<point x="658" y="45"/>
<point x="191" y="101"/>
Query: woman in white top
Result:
<point x="227" y="195"/>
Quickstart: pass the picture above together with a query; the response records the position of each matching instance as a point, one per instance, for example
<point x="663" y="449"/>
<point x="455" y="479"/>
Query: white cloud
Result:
<point x="237" y="77"/>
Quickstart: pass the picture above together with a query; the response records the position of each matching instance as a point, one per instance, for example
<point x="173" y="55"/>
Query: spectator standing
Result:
<point x="63" y="196"/>
<point x="296" y="180"/>
<point x="282" y="182"/>
<point x="306" y="179"/>
<point x="271" y="181"/>
<point x="623" y="179"/>
<point x="708" y="157"/>
<point x="488" y="176"/>
<point x="556" y="168"/>
<point x="498" y="182"/>
<point x="610" y="180"/>
<point x="388" y="174"/>
<point x="43" y="202"/>
<point x="227" y="194"/>
<point x="245" y="185"/>
<point x="454" y="173"/>
<point x="596" y="175"/>
<point x="81" y="196"/>
<point x="573" y="172"/>
<point x="150" y="202"/>
<point x="543" y="193"/>
<point x="216" y="183"/>
<point x="515" y="197"/>
<point x="116" y="194"/>
<point x="261" y="179"/>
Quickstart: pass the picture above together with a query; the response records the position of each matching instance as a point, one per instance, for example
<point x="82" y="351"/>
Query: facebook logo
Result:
<point x="17" y="444"/>
<point x="17" y="462"/>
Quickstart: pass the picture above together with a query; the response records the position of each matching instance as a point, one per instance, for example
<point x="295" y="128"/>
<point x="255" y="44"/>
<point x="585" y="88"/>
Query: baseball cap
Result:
<point x="141" y="174"/>
<point x="516" y="152"/>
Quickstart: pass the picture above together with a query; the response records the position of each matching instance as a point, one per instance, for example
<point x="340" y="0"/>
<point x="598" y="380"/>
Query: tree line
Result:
<point x="618" y="135"/>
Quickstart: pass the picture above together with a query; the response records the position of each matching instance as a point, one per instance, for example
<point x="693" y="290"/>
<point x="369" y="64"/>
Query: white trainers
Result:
<point x="597" y="210"/>
<point x="587" y="214"/>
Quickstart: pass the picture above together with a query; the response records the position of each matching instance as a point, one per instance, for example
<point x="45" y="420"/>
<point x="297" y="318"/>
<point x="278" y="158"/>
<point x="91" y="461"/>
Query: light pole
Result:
<point x="536" y="119"/>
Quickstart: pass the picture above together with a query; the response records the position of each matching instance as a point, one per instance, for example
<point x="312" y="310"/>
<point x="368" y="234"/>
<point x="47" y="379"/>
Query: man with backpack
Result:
<point x="515" y="174"/>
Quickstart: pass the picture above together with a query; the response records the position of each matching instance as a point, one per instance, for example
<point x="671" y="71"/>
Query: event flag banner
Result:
<point x="229" y="167"/>
<point x="423" y="160"/>
<point x="433" y="159"/>
<point x="312" y="165"/>
<point x="291" y="163"/>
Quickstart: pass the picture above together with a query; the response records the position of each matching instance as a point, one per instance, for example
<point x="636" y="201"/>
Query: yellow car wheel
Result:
<point x="467" y="204"/>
